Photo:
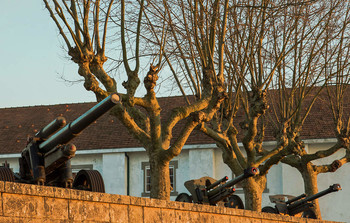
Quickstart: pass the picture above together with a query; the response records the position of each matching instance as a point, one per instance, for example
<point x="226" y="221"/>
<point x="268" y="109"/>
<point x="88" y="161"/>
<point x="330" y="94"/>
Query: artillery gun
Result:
<point x="207" y="190"/>
<point x="297" y="205"/>
<point x="46" y="158"/>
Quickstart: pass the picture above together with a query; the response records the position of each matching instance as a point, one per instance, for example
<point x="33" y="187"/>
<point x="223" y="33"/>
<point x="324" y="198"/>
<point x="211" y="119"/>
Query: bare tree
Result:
<point x="84" y="26"/>
<point x="276" y="56"/>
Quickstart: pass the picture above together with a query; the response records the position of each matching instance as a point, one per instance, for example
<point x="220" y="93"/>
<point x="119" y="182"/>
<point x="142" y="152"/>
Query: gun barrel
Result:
<point x="211" y="186"/>
<point x="222" y="195"/>
<point x="295" y="199"/>
<point x="332" y="188"/>
<point x="74" y="128"/>
<point x="51" y="128"/>
<point x="249" y="172"/>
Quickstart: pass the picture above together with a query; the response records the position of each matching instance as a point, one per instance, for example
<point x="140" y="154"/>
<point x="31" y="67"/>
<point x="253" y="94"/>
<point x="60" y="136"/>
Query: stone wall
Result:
<point x="31" y="203"/>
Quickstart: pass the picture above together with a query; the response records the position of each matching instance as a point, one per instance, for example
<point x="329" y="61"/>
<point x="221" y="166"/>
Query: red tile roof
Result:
<point x="16" y="124"/>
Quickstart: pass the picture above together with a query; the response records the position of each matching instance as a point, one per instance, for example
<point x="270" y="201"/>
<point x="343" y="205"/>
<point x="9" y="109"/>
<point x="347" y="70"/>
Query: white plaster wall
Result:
<point x="182" y="172"/>
<point x="136" y="173"/>
<point x="94" y="159"/>
<point x="201" y="163"/>
<point x="13" y="163"/>
<point x="115" y="173"/>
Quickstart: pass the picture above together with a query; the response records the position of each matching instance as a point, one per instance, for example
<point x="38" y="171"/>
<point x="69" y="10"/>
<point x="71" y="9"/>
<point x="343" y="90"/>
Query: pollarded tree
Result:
<point x="319" y="61"/>
<point x="84" y="27"/>
<point x="274" y="55"/>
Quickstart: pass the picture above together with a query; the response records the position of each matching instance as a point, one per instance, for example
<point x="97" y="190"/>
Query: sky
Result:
<point x="32" y="61"/>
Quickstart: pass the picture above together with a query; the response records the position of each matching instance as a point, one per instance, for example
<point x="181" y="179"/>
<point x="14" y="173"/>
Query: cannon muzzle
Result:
<point x="71" y="130"/>
<point x="51" y="128"/>
<point x="211" y="186"/>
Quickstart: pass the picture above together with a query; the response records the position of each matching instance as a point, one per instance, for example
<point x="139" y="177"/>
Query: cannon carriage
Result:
<point x="207" y="190"/>
<point x="300" y="205"/>
<point x="46" y="159"/>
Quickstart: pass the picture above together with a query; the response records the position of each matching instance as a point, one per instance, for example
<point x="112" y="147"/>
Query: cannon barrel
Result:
<point x="332" y="188"/>
<point x="295" y="199"/>
<point x="221" y="196"/>
<point x="249" y="172"/>
<point x="51" y="128"/>
<point x="211" y="186"/>
<point x="71" y="130"/>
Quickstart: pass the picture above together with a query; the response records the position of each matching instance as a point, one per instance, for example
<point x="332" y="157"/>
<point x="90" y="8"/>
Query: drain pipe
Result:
<point x="127" y="174"/>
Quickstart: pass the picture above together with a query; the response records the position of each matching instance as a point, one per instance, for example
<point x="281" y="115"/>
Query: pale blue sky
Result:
<point x="32" y="60"/>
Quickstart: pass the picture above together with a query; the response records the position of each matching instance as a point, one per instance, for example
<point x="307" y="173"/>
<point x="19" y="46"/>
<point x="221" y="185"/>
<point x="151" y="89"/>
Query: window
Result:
<point x="147" y="178"/>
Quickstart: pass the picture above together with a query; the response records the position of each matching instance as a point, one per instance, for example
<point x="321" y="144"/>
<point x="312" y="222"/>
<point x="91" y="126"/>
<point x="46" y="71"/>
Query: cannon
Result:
<point x="296" y="205"/>
<point x="207" y="190"/>
<point x="46" y="159"/>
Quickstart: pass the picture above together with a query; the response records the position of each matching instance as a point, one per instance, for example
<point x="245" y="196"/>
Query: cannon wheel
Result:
<point x="234" y="201"/>
<point x="90" y="180"/>
<point x="183" y="197"/>
<point x="6" y="174"/>
<point x="309" y="214"/>
<point x="269" y="209"/>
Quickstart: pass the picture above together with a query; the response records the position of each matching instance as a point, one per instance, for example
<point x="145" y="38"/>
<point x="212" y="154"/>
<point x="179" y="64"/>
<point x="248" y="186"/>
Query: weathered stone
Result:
<point x="137" y="201"/>
<point x="76" y="211"/>
<point x="119" y="213"/>
<point x="55" y="208"/>
<point x="168" y="215"/>
<point x="23" y="205"/>
<point x="61" y="192"/>
<point x="96" y="211"/>
<point x="152" y="215"/>
<point x="120" y="199"/>
<point x="135" y="213"/>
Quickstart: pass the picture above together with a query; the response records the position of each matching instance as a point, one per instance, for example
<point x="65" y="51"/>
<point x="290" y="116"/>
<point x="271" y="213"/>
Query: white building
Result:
<point x="124" y="164"/>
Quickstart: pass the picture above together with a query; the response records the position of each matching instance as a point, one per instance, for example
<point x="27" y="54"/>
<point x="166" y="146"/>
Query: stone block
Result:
<point x="138" y="201"/>
<point x="168" y="215"/>
<point x="119" y="213"/>
<point x="80" y="195"/>
<point x="135" y="213"/>
<point x="2" y="186"/>
<point x="102" y="197"/>
<point x="23" y="205"/>
<point x="55" y="208"/>
<point x="187" y="216"/>
<point x="157" y="203"/>
<point x="152" y="215"/>
<point x="96" y="211"/>
<point x="18" y="188"/>
<point x="42" y="191"/>
<point x="76" y="210"/>
<point x="120" y="199"/>
<point x="61" y="192"/>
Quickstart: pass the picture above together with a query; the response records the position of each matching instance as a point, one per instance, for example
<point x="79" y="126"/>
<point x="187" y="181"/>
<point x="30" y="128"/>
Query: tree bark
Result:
<point x="253" y="189"/>
<point x="160" y="181"/>
<point x="310" y="185"/>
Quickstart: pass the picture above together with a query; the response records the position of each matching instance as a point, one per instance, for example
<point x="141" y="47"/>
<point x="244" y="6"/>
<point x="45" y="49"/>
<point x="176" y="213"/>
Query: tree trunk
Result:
<point x="160" y="179"/>
<point x="310" y="186"/>
<point x="253" y="189"/>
